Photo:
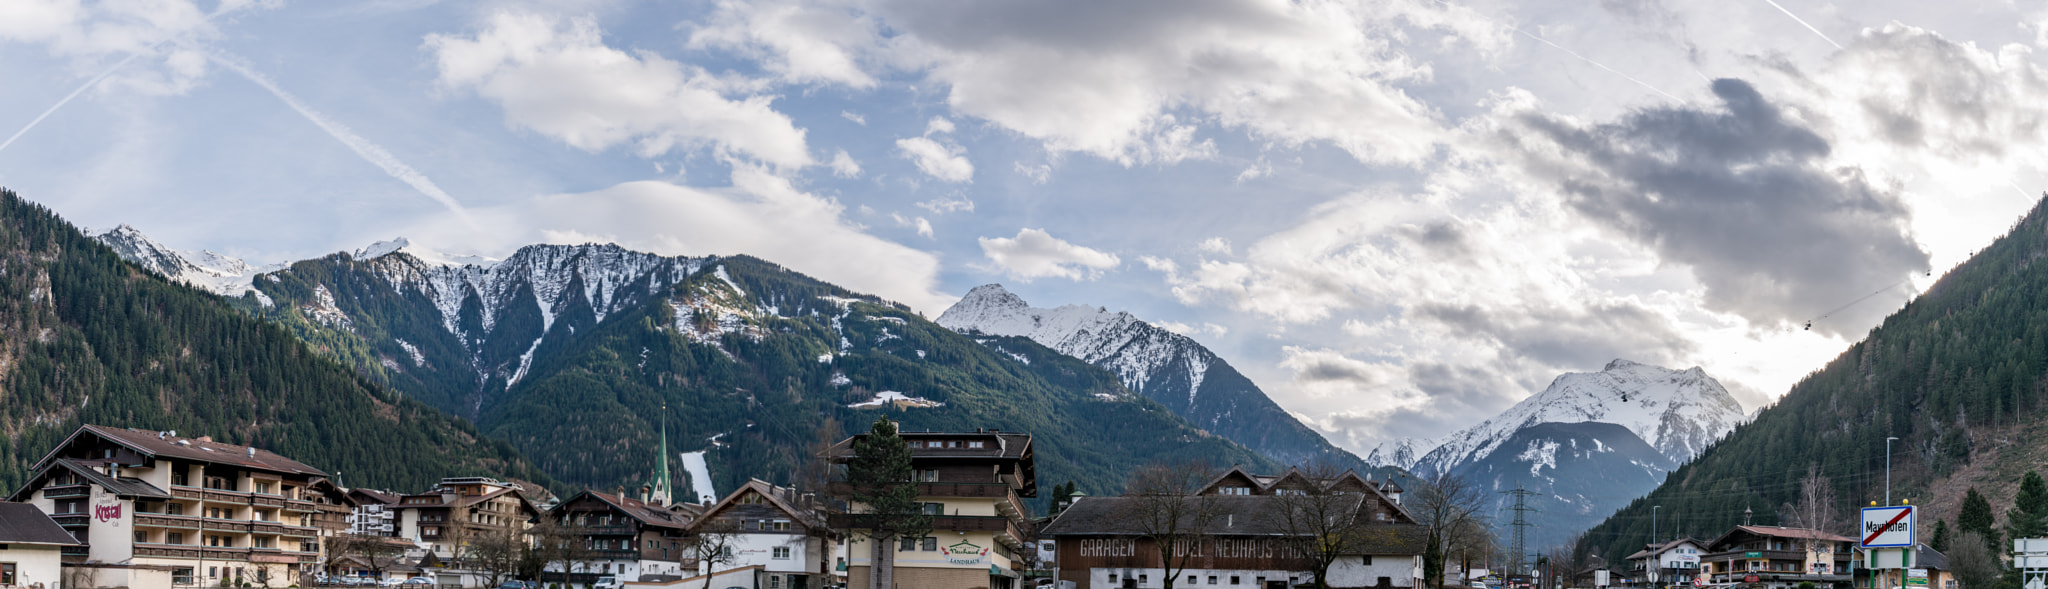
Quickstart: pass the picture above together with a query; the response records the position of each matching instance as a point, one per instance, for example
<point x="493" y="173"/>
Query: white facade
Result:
<point x="373" y="520"/>
<point x="1400" y="571"/>
<point x="778" y="555"/>
<point x="32" y="565"/>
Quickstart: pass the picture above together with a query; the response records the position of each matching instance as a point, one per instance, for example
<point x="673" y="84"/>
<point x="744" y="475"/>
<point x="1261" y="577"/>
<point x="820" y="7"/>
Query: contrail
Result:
<point x="67" y="100"/>
<point x="1597" y="64"/>
<point x="1802" y="22"/>
<point x="370" y="152"/>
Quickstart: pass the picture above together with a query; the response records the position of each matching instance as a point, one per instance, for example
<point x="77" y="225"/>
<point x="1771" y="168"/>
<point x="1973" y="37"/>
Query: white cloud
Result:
<point x="941" y="206"/>
<point x="1191" y="330"/>
<point x="857" y="118"/>
<point x="843" y="165"/>
<point x="1033" y="253"/>
<point x="1258" y="169"/>
<point x="923" y="226"/>
<point x="755" y="217"/>
<point x="943" y="161"/>
<point x="561" y="80"/>
<point x="1115" y="79"/>
<point x="1038" y="174"/>
<point x="938" y="125"/>
<point x="1215" y="245"/>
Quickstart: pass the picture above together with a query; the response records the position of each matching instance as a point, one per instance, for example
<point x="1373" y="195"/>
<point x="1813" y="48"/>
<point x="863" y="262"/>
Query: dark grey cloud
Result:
<point x="1444" y="240"/>
<point x="1744" y="197"/>
<point x="1925" y="91"/>
<point x="1574" y="339"/>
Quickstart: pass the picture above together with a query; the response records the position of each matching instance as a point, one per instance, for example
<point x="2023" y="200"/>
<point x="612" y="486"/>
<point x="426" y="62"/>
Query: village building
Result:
<point x="373" y="514"/>
<point x="972" y="483"/>
<point x="156" y="510"/>
<point x="445" y="520"/>
<point x="622" y="537"/>
<point x="780" y="532"/>
<point x="1772" y="557"/>
<point x="1676" y="562"/>
<point x="1244" y="541"/>
<point x="32" y="547"/>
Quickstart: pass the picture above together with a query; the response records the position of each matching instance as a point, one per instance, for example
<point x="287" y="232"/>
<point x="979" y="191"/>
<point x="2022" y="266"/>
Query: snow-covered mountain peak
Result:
<point x="379" y="249"/>
<point x="1401" y="453"/>
<point x="1677" y="412"/>
<point x="221" y="274"/>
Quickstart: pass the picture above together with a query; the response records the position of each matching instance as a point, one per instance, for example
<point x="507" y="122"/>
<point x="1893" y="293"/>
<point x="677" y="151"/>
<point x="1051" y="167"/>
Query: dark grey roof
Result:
<point x="1929" y="558"/>
<point x="154" y="443"/>
<point x="1238" y="515"/>
<point x="22" y="523"/>
<point x="122" y="486"/>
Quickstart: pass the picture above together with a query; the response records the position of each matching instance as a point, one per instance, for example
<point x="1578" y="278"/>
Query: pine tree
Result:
<point x="1976" y="517"/>
<point x="886" y="498"/>
<point x="2028" y="517"/>
<point x="1941" y="536"/>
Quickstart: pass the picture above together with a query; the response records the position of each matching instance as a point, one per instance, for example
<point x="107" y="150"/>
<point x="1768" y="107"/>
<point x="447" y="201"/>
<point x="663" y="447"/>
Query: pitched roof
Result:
<point x="646" y="513"/>
<point x="120" y="486"/>
<point x="375" y="496"/>
<point x="775" y="497"/>
<point x="1240" y="515"/>
<point x="1007" y="445"/>
<point x="154" y="444"/>
<point x="1779" y="532"/>
<point x="22" y="523"/>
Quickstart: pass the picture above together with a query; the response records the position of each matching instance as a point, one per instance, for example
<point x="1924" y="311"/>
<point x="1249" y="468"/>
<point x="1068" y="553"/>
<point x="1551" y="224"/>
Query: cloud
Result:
<point x="1191" y="330"/>
<point x="1033" y="253"/>
<point x="560" y="80"/>
<point x="1215" y="245"/>
<point x="1743" y="195"/>
<point x="1038" y="174"/>
<point x="843" y="165"/>
<point x="938" y="125"/>
<point x="924" y="227"/>
<point x="943" y="161"/>
<point x="755" y="216"/>
<point x="1133" y="81"/>
<point x="852" y="116"/>
<point x="941" y="206"/>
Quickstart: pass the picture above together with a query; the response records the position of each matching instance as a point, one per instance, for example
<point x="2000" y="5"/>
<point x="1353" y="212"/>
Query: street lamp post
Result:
<point x="1888" y="469"/>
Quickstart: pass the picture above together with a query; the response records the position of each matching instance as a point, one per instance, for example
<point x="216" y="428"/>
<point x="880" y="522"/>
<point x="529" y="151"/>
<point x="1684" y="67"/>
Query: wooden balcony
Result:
<point x="162" y="520"/>
<point x="266" y="500"/>
<point x="72" y="519"/>
<point x="297" y="505"/>
<point x="64" y="491"/>
<point x="187" y="492"/>
<point x="266" y="528"/>
<point x="167" y="550"/>
<point x="77" y="550"/>
<point x="949" y="523"/>
<point x="223" y="553"/>
<point x="617" y="530"/>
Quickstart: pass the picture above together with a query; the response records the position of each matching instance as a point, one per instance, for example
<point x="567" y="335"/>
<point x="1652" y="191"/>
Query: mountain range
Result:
<point x="1166" y="367"/>
<point x="577" y="354"/>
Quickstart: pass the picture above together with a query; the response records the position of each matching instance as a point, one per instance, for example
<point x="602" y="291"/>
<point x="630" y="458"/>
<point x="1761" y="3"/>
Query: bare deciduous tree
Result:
<point x="1975" y="566"/>
<point x="375" y="552"/>
<point x="496" y="553"/>
<point x="1446" y="505"/>
<point x="1321" y="523"/>
<point x="711" y="542"/>
<point x="1816" y="509"/>
<point x="1163" y="505"/>
<point x="557" y="541"/>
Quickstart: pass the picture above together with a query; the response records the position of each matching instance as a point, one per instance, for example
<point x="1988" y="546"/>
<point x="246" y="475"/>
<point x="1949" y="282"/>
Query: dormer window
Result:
<point x="1236" y="491"/>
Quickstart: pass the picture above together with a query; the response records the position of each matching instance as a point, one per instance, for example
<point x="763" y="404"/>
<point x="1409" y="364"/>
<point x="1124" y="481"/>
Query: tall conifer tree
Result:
<point x="885" y="497"/>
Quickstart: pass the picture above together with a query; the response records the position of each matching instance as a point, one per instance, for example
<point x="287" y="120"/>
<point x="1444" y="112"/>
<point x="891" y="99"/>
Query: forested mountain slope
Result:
<point x="1957" y="375"/>
<point x="86" y="337"/>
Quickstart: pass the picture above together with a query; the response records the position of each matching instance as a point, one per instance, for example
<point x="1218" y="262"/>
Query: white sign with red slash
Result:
<point x="1888" y="527"/>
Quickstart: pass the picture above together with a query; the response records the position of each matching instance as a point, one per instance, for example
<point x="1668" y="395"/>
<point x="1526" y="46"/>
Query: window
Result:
<point x="174" y="538"/>
<point x="263" y="488"/>
<point x="181" y="576"/>
<point x="1212" y="579"/>
<point x="1191" y="579"/>
<point x="1143" y="579"/>
<point x="781" y="553"/>
<point x="775" y="582"/>
<point x="180" y="479"/>
<point x="1236" y="491"/>
<point x="6" y="573"/>
<point x="781" y="525"/>
<point x="141" y="537"/>
<point x="974" y="444"/>
<point x="908" y="544"/>
<point x="1233" y="579"/>
<point x="1366" y="560"/>
<point x="212" y="572"/>
<point x="934" y="509"/>
<point x="931" y="544"/>
<point x="1112" y="577"/>
<point x="260" y="542"/>
<point x="926" y="476"/>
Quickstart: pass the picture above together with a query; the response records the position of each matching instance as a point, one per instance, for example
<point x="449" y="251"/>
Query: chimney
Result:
<point x="645" y="490"/>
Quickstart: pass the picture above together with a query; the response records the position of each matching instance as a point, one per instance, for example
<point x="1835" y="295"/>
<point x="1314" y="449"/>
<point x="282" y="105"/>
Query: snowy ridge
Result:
<point x="1677" y="412"/>
<point x="1402" y="453"/>
<point x="216" y="273"/>
<point x="547" y="271"/>
<point x="1133" y="350"/>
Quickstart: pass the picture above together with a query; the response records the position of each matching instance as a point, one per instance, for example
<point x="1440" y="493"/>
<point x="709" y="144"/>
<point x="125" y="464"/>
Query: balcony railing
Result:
<point x="297" y="505"/>
<point x="610" y="530"/>
<point x="63" y="491"/>
<point x="949" y="523"/>
<point x="167" y="550"/>
<point x="77" y="551"/>
<point x="72" y="519"/>
<point x="166" y="520"/>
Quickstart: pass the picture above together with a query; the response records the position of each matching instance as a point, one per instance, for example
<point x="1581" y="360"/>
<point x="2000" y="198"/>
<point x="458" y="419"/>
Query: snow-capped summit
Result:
<point x="1677" y="412"/>
<point x="218" y="273"/>
<point x="1158" y="364"/>
<point x="379" y="249"/>
<point x="1400" y="453"/>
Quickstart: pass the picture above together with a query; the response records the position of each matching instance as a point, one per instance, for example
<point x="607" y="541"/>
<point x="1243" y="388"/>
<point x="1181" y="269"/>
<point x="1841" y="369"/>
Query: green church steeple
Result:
<point x="662" y="492"/>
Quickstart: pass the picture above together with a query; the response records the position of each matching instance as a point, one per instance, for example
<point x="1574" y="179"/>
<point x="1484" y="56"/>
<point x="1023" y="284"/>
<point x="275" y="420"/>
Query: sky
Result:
<point x="1398" y="217"/>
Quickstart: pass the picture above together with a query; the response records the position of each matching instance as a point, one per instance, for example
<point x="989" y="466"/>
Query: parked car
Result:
<point x="391" y="582"/>
<point x="418" y="582"/>
<point x="607" y="582"/>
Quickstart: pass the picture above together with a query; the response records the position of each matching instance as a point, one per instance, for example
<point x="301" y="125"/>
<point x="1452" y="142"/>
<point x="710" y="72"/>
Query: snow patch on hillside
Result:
<point x="897" y="399"/>
<point x="700" y="477"/>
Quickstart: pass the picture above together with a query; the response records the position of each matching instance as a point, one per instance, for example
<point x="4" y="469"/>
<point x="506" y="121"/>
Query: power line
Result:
<point x="1521" y="526"/>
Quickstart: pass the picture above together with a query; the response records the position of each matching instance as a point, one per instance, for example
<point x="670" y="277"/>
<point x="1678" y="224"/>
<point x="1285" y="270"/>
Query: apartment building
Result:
<point x="622" y="537"/>
<point x="972" y="483"/>
<point x="444" y="520"/>
<point x="155" y="510"/>
<point x="373" y="514"/>
<point x="778" y="530"/>
<point x="1773" y="557"/>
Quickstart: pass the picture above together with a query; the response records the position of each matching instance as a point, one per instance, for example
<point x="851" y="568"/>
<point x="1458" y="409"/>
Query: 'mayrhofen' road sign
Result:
<point x="1887" y="527"/>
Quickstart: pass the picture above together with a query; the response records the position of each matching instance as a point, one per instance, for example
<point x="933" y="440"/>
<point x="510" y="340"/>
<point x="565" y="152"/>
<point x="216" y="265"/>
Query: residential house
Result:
<point x="622" y="537"/>
<point x="373" y="514"/>
<point x="1773" y="557"/>
<point x="1676" y="562"/>
<point x="1245" y="543"/>
<point x="775" y="528"/>
<point x="972" y="483"/>
<point x="157" y="510"/>
<point x="31" y="547"/>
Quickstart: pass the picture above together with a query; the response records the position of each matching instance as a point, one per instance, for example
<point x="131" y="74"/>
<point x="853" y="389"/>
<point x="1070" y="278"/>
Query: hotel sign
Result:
<point x="966" y="553"/>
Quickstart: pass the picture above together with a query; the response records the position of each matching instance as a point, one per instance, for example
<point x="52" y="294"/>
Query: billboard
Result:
<point x="1887" y="527"/>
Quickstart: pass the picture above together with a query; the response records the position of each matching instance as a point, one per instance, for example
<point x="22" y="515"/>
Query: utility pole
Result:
<point x="1521" y="526"/>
